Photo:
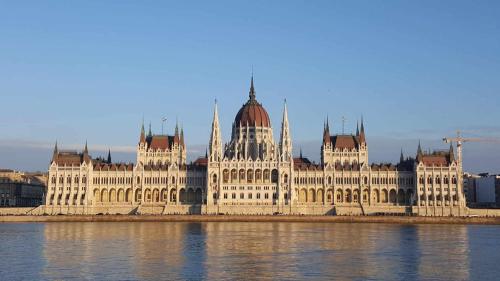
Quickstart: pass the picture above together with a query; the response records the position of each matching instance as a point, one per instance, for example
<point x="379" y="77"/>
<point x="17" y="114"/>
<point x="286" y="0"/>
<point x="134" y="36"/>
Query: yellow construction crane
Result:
<point x="460" y="140"/>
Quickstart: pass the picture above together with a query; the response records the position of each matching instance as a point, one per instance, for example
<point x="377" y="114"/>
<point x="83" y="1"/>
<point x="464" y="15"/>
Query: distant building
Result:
<point x="254" y="173"/>
<point x="483" y="190"/>
<point x="18" y="189"/>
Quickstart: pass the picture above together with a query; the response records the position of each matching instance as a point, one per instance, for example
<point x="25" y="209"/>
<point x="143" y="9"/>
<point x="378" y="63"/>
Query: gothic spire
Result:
<point x="362" y="137"/>
<point x="150" y="134"/>
<point x="401" y="157"/>
<point x="326" y="132"/>
<point x="357" y="128"/>
<point x="176" y="126"/>
<point x="85" y="150"/>
<point x="419" y="152"/>
<point x="109" y="156"/>
<point x="285" y="139"/>
<point x="215" y="148"/>
<point x="182" y="136"/>
<point x="143" y="133"/>
<point x="252" y="90"/>
<point x="56" y="151"/>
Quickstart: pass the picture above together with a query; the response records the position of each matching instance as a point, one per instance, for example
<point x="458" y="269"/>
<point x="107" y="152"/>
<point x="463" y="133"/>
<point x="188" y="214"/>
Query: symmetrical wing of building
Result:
<point x="254" y="174"/>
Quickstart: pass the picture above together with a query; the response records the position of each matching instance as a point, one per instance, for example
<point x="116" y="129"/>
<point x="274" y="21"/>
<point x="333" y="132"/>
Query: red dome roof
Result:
<point x="252" y="113"/>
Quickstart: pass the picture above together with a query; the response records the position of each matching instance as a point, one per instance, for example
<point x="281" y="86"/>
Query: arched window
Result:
<point x="214" y="178"/>
<point x="249" y="175"/>
<point x="274" y="176"/>
<point x="225" y="176"/>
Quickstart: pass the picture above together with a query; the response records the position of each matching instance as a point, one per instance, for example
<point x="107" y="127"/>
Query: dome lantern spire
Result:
<point x="252" y="89"/>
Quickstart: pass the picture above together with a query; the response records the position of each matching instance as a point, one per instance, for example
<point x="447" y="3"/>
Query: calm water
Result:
<point x="285" y="251"/>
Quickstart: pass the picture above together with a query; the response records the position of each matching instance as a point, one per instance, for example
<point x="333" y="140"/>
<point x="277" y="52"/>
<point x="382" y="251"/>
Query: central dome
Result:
<point x="252" y="112"/>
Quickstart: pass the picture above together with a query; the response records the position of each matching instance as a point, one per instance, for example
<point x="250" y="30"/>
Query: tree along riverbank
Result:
<point x="224" y="218"/>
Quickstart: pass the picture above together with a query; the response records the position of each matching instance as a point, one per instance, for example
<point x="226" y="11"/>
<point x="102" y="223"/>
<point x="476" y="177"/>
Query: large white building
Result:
<point x="254" y="173"/>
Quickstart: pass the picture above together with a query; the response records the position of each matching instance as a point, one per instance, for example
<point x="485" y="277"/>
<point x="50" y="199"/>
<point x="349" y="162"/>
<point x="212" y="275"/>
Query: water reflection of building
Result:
<point x="243" y="251"/>
<point x="144" y="251"/>
<point x="449" y="246"/>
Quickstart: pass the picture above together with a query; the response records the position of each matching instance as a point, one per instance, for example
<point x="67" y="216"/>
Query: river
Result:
<point x="247" y="251"/>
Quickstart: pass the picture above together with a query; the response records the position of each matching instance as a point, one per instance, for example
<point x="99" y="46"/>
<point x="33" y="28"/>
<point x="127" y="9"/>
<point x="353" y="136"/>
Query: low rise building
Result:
<point x="19" y="189"/>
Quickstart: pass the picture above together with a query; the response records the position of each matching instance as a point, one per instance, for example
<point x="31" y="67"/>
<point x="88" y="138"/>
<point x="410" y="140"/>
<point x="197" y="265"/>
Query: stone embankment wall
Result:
<point x="254" y="219"/>
<point x="319" y="210"/>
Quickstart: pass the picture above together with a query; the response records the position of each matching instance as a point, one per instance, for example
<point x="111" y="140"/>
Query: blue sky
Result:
<point x="90" y="70"/>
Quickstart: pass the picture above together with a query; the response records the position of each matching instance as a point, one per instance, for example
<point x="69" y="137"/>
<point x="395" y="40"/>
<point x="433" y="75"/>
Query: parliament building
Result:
<point x="254" y="174"/>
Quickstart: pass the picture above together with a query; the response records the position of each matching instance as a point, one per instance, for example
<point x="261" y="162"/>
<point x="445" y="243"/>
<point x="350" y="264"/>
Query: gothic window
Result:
<point x="234" y="175"/>
<point x="225" y="176"/>
<point x="274" y="176"/>
<point x="266" y="175"/>
<point x="249" y="176"/>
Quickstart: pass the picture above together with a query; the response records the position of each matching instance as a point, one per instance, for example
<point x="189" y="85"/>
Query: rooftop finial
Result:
<point x="252" y="89"/>
<point x="109" y="156"/>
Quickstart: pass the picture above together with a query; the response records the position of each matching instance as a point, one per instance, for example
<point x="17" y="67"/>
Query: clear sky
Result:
<point x="90" y="70"/>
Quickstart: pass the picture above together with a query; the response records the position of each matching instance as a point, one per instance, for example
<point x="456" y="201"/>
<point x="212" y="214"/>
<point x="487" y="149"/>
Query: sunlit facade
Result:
<point x="254" y="173"/>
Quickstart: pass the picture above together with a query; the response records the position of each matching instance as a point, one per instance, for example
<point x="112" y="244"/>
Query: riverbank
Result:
<point x="206" y="218"/>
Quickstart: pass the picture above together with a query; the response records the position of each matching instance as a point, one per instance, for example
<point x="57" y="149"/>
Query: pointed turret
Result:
<point x="300" y="155"/>
<point x="285" y="138"/>
<point x="357" y="129"/>
<point x="452" y="154"/>
<point x="420" y="154"/>
<point x="86" y="157"/>
<point x="176" y="135"/>
<point x="150" y="133"/>
<point x="362" y="137"/>
<point x="182" y="137"/>
<point x="215" y="146"/>
<point x="401" y="157"/>
<point x="56" y="152"/>
<point x="142" y="138"/>
<point x="252" y="90"/>
<point x="326" y="132"/>
<point x="109" y="156"/>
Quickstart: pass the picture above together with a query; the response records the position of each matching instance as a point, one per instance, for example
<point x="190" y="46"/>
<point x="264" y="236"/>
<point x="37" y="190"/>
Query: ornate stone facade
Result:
<point x="255" y="174"/>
